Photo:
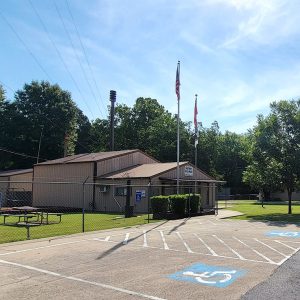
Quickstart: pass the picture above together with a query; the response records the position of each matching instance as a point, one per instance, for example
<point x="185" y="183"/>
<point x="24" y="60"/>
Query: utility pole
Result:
<point x="113" y="96"/>
<point x="38" y="155"/>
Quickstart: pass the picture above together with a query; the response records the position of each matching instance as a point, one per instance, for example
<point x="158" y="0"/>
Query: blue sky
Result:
<point x="238" y="56"/>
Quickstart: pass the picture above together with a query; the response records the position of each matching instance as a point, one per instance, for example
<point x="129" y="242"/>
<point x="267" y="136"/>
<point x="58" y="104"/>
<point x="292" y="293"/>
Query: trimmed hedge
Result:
<point x="195" y="202"/>
<point x="159" y="205"/>
<point x="178" y="204"/>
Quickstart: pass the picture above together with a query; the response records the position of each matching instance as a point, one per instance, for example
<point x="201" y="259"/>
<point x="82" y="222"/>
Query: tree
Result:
<point x="232" y="161"/>
<point x="208" y="149"/>
<point x="47" y="110"/>
<point x="150" y="127"/>
<point x="84" y="142"/>
<point x="276" y="151"/>
<point x="6" y="126"/>
<point x="285" y="122"/>
<point x="263" y="176"/>
<point x="99" y="140"/>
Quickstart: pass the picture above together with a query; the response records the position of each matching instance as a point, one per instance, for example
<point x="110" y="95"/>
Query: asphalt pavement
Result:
<point x="284" y="283"/>
<point x="204" y="257"/>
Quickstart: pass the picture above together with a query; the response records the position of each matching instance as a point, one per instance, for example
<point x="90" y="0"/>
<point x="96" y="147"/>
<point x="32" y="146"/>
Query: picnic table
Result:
<point x="25" y="214"/>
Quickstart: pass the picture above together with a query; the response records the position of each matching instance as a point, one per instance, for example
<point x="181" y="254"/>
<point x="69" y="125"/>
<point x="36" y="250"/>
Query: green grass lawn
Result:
<point x="270" y="212"/>
<point x="71" y="223"/>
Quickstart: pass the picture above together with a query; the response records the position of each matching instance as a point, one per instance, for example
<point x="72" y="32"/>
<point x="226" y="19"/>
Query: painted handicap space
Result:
<point x="293" y="234"/>
<point x="215" y="276"/>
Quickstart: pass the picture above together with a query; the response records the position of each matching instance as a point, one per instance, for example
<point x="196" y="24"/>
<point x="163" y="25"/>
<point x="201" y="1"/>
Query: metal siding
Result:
<point x="21" y="186"/>
<point x="62" y="194"/>
<point x="107" y="202"/>
<point x="196" y="174"/>
<point x="122" y="162"/>
<point x="3" y="189"/>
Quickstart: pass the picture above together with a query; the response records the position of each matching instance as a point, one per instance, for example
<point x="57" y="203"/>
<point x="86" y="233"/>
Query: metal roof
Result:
<point x="88" y="157"/>
<point x="143" y="171"/>
<point x="15" y="172"/>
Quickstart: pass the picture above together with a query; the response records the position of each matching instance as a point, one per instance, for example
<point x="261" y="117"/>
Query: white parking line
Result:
<point x="166" y="247"/>
<point x="258" y="253"/>
<point x="145" y="244"/>
<point x="43" y="247"/>
<point x="271" y="247"/>
<point x="126" y="239"/>
<point x="233" y="251"/>
<point x="201" y="253"/>
<point x="72" y="278"/>
<point x="209" y="249"/>
<point x="295" y="249"/>
<point x="184" y="243"/>
<point x="107" y="238"/>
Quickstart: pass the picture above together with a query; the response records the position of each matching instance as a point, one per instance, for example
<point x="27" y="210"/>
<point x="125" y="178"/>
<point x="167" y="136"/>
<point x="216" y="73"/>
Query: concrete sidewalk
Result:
<point x="226" y="213"/>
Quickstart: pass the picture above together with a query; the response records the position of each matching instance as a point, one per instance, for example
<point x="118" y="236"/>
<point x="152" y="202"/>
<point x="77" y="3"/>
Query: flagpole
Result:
<point x="196" y="136"/>
<point x="178" y="121"/>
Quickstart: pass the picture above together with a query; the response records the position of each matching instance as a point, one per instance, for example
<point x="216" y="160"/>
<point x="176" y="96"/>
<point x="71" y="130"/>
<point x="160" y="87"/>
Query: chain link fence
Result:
<point x="41" y="208"/>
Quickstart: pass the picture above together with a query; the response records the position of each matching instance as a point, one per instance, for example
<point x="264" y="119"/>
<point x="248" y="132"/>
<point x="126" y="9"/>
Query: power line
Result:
<point x="57" y="125"/>
<point x="59" y="55"/>
<point x="84" y="51"/>
<point x="5" y="85"/>
<point x="76" y="54"/>
<point x="20" y="154"/>
<point x="26" y="47"/>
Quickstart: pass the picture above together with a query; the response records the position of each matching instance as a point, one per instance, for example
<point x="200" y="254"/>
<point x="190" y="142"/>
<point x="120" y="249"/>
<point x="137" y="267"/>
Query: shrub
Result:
<point x="194" y="202"/>
<point x="178" y="204"/>
<point x="159" y="205"/>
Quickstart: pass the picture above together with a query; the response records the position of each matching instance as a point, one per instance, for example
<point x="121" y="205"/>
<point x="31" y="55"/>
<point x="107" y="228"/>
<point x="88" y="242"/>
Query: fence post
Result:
<point x="189" y="201"/>
<point x="149" y="198"/>
<point x="83" y="203"/>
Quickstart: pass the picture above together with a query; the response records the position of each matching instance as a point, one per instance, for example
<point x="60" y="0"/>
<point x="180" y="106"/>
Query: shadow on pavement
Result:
<point x="119" y="245"/>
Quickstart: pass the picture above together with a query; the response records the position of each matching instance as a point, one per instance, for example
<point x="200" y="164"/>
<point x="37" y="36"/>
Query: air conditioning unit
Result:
<point x="104" y="188"/>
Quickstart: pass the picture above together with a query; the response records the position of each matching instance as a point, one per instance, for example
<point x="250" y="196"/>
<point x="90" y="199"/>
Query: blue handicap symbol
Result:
<point x="138" y="196"/>
<point x="215" y="276"/>
<point x="293" y="234"/>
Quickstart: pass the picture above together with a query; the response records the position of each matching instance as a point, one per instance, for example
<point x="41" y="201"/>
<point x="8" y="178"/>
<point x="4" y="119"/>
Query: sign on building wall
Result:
<point x="188" y="171"/>
<point x="143" y="192"/>
<point x="138" y="196"/>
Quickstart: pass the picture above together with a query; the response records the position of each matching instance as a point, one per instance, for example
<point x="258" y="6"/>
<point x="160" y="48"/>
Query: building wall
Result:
<point x="197" y="174"/>
<point x="284" y="195"/>
<point x="62" y="185"/>
<point x="21" y="186"/>
<point x="207" y="190"/>
<point x="14" y="193"/>
<point x="122" y="162"/>
<point x="110" y="202"/>
<point x="3" y="190"/>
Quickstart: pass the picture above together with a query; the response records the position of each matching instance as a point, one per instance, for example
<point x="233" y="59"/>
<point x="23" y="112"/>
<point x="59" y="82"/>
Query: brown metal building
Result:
<point x="15" y="187"/>
<point x="99" y="181"/>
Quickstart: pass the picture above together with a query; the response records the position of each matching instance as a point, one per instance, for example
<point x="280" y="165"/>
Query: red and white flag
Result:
<point x="177" y="83"/>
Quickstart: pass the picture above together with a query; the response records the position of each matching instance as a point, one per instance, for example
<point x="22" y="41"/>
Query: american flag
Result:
<point x="177" y="83"/>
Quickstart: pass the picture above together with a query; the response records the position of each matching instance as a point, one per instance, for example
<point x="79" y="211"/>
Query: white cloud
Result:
<point x="260" y="22"/>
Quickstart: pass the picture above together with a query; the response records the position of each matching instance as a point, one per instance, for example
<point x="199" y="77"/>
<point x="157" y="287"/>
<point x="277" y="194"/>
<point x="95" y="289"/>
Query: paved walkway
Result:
<point x="225" y="213"/>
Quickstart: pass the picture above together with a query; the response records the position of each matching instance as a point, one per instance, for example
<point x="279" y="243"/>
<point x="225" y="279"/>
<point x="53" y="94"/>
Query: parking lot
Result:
<point x="198" y="258"/>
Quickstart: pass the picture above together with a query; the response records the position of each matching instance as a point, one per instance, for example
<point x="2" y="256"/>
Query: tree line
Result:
<point x="43" y="121"/>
